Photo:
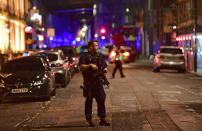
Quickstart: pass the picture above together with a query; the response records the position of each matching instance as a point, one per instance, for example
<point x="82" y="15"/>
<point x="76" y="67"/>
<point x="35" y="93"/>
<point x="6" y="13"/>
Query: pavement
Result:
<point x="149" y="63"/>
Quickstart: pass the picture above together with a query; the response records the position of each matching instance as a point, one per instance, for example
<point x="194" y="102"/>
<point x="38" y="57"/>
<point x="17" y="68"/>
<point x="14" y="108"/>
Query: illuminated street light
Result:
<point x="94" y="9"/>
<point x="83" y="34"/>
<point x="127" y="10"/>
<point x="40" y="37"/>
<point x="34" y="7"/>
<point x="78" y="39"/>
<point x="102" y="30"/>
<point x="85" y="28"/>
<point x="96" y="35"/>
<point x="74" y="42"/>
<point x="174" y="27"/>
<point x="103" y="37"/>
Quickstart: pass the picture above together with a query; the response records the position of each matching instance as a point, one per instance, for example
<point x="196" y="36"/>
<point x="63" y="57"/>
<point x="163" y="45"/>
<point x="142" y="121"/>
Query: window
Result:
<point x="172" y="51"/>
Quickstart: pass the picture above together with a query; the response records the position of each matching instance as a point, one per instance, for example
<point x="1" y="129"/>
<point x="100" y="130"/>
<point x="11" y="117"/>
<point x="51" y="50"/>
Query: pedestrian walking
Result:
<point x="90" y="62"/>
<point x="118" y="65"/>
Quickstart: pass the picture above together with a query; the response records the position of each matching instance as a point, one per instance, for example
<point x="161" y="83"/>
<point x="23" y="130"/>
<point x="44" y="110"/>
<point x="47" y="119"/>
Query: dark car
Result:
<point x="28" y="77"/>
<point x="71" y="54"/>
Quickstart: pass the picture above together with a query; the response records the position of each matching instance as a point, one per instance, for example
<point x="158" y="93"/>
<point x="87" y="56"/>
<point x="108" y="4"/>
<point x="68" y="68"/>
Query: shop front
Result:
<point x="191" y="48"/>
<point x="12" y="35"/>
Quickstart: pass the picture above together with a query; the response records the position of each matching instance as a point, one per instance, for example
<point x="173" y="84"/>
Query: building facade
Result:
<point x="189" y="32"/>
<point x="12" y="25"/>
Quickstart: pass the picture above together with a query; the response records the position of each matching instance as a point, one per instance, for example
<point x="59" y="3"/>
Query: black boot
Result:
<point x="90" y="123"/>
<point x="103" y="122"/>
<point x="123" y="76"/>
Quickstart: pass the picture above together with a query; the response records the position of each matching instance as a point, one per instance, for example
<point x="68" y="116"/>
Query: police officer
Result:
<point x="118" y="65"/>
<point x="90" y="62"/>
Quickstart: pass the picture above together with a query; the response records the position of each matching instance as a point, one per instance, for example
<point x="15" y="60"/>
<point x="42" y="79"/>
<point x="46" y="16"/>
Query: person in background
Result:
<point x="118" y="65"/>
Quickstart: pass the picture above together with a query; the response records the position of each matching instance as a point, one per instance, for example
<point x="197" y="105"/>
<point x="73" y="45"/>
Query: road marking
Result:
<point x="187" y="90"/>
<point x="190" y="110"/>
<point x="170" y="92"/>
<point x="28" y="119"/>
<point x="22" y="122"/>
<point x="195" y="78"/>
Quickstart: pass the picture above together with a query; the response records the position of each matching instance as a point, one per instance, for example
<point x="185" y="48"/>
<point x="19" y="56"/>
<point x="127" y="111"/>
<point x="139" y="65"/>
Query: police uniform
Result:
<point x="94" y="87"/>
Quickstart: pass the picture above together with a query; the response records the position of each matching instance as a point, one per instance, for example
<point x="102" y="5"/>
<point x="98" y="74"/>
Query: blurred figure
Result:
<point x="118" y="65"/>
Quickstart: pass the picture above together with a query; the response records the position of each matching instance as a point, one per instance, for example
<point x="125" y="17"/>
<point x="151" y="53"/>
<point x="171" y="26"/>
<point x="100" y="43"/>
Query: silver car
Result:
<point x="60" y="65"/>
<point x="169" y="57"/>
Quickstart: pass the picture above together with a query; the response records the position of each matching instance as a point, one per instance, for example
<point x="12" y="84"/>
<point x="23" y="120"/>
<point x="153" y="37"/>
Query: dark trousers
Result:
<point x="118" y="65"/>
<point x="98" y="93"/>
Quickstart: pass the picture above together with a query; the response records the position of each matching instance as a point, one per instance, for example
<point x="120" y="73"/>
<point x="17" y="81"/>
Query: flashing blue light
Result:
<point x="60" y="40"/>
<point x="66" y="40"/>
<point x="74" y="42"/>
<point x="138" y="43"/>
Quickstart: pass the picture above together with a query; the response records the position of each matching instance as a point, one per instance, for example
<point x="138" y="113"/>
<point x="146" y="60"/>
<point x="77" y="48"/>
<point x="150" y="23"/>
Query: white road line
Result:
<point x="22" y="122"/>
<point x="170" y="92"/>
<point x="187" y="90"/>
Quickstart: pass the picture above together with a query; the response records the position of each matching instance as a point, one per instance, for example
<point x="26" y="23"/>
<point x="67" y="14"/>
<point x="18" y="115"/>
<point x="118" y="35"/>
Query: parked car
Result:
<point x="28" y="76"/>
<point x="59" y="65"/>
<point x="169" y="57"/>
<point x="70" y="53"/>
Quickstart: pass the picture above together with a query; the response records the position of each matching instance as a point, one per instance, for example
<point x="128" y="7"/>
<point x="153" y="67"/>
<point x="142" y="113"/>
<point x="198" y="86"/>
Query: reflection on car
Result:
<point x="169" y="57"/>
<point x="59" y="65"/>
<point x="28" y="77"/>
<point x="71" y="54"/>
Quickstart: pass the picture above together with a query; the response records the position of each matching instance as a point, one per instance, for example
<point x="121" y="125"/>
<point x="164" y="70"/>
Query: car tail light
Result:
<point x="59" y="65"/>
<point x="52" y="73"/>
<point x="126" y="53"/>
<point x="113" y="53"/>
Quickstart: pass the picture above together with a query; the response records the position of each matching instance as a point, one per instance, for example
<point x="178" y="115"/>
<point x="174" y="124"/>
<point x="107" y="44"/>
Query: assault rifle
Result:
<point x="101" y="75"/>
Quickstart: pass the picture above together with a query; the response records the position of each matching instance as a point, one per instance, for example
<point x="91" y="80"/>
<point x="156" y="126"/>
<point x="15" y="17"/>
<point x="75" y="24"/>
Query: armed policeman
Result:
<point x="90" y="64"/>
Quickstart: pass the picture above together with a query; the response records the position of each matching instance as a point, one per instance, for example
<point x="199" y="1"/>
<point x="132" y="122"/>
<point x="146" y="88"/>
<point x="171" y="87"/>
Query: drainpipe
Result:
<point x="195" y="54"/>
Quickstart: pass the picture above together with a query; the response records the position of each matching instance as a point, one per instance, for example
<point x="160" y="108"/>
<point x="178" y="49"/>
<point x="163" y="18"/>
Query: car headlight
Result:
<point x="37" y="83"/>
<point x="40" y="80"/>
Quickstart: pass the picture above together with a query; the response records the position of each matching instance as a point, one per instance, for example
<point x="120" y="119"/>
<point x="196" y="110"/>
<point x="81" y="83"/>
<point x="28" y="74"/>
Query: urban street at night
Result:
<point x="104" y="65"/>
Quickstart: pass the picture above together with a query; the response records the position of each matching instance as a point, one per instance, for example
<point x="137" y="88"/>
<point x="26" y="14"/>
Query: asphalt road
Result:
<point x="143" y="101"/>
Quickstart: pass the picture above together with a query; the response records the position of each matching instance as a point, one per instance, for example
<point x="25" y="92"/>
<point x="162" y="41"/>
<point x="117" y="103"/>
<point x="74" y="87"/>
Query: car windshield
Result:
<point x="51" y="57"/>
<point x="172" y="51"/>
<point x="25" y="64"/>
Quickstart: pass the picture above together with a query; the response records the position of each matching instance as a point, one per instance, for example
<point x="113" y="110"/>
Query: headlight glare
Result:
<point x="39" y="82"/>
